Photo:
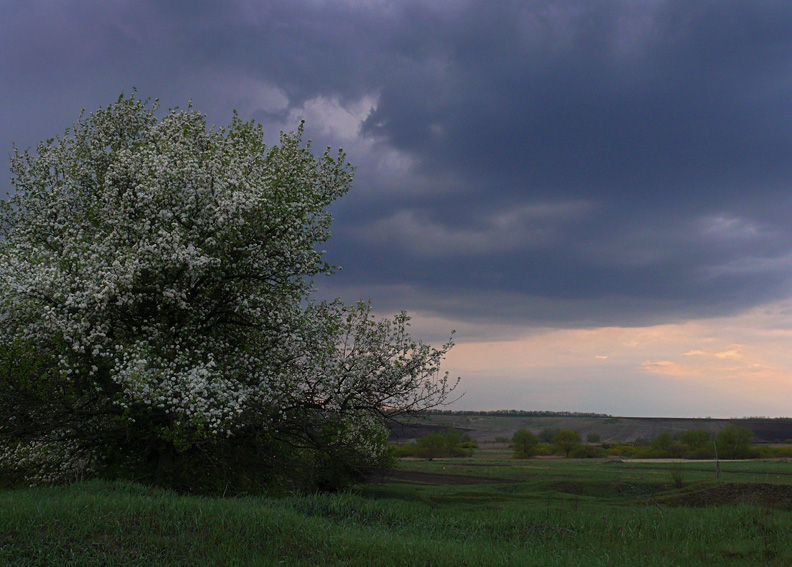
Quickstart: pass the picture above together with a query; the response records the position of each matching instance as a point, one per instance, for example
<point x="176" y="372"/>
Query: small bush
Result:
<point x="524" y="443"/>
<point x="700" y="453"/>
<point x="696" y="439"/>
<point x="567" y="440"/>
<point x="677" y="479"/>
<point x="663" y="442"/>
<point x="587" y="452"/>
<point x="782" y="452"/>
<point x="620" y="450"/>
<point x="650" y="453"/>
<point x="403" y="450"/>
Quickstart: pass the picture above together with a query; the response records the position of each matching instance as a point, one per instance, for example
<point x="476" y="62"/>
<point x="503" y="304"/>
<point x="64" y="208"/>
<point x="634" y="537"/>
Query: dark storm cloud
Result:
<point x="584" y="97"/>
<point x="566" y="162"/>
<point x="671" y="120"/>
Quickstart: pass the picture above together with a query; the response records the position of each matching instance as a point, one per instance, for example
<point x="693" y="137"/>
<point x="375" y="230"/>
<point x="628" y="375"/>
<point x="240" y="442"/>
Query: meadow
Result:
<point x="488" y="509"/>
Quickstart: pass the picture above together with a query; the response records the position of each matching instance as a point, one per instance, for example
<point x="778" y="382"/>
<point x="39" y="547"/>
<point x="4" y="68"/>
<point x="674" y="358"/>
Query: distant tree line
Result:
<point x="542" y="413"/>
<point x="760" y="417"/>
<point x="515" y="413"/>
<point x="731" y="442"/>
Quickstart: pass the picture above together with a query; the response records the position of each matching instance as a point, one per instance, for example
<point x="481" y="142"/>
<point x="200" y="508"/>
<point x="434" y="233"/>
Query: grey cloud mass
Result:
<point x="540" y="163"/>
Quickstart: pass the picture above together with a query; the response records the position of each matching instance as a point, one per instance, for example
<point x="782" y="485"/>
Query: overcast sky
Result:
<point x="595" y="194"/>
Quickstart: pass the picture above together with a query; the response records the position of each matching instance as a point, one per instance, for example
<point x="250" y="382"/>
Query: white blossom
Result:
<point x="163" y="271"/>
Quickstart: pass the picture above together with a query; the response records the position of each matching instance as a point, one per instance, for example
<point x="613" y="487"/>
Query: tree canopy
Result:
<point x="566" y="440"/>
<point x="524" y="443"/>
<point x="157" y="312"/>
<point x="734" y="442"/>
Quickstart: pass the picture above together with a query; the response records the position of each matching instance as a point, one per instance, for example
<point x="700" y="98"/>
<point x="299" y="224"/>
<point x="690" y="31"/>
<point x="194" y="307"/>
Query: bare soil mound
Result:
<point x="775" y="495"/>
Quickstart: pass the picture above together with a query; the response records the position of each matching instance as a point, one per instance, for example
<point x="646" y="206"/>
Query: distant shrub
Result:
<point x="524" y="443"/>
<point x="548" y="434"/>
<point x="662" y="443"/>
<point x="448" y="443"/>
<point x="782" y="452"/>
<point x="621" y="450"/>
<point x="764" y="451"/>
<point x="696" y="438"/>
<point x="567" y="440"/>
<point x="734" y="442"/>
<point x="403" y="450"/>
<point x="593" y="437"/>
<point x="700" y="453"/>
<point x="588" y="452"/>
<point x="664" y="446"/>
<point x="677" y="450"/>
<point x="644" y="452"/>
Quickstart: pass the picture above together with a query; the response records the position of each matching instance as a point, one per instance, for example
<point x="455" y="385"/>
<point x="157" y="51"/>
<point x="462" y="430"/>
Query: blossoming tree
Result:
<point x="156" y="318"/>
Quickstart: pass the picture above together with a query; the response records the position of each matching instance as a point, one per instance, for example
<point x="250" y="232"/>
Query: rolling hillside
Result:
<point x="486" y="427"/>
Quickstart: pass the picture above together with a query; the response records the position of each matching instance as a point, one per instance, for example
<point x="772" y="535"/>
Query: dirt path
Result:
<point x="414" y="477"/>
<point x="703" y="469"/>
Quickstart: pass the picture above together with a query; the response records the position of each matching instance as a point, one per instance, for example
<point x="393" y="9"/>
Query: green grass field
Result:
<point x="485" y="510"/>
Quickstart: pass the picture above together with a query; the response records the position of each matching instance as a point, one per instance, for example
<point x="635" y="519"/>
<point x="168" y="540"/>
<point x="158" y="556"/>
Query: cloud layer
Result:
<point x="521" y="164"/>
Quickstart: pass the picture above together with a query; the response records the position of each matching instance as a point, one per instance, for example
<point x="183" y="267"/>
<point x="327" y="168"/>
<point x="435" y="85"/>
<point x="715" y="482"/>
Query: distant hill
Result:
<point x="487" y="426"/>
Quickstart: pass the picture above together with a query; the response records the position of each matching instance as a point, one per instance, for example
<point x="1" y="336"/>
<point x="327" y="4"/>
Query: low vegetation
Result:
<point x="447" y="443"/>
<point x="732" y="442"/>
<point x="488" y="509"/>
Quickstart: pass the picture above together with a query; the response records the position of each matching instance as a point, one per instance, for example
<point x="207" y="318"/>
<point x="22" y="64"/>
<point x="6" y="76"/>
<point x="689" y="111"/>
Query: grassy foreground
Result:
<point x="550" y="512"/>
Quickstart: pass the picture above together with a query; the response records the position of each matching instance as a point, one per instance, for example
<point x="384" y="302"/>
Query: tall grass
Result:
<point x="569" y="513"/>
<point x="98" y="523"/>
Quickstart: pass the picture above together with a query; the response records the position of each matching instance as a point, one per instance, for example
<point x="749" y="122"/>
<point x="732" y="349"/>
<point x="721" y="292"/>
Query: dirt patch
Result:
<point x="775" y="495"/>
<point x="414" y="477"/>
<point x="602" y="489"/>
